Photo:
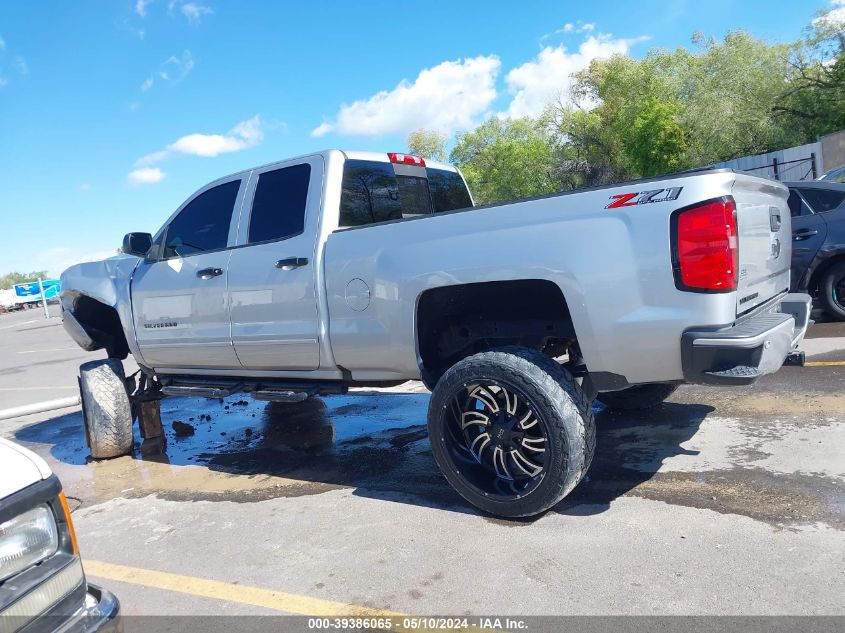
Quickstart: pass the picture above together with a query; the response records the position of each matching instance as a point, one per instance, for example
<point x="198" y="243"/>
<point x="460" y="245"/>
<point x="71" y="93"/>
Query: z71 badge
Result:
<point x="644" y="197"/>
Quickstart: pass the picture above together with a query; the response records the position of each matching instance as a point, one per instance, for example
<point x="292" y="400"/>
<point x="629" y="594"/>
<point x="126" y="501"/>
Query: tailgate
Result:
<point x="765" y="246"/>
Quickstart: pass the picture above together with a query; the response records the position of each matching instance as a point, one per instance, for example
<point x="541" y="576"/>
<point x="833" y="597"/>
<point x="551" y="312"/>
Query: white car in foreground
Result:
<point x="42" y="583"/>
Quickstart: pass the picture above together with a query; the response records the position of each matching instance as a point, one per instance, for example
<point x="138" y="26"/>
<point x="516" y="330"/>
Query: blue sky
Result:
<point x="113" y="112"/>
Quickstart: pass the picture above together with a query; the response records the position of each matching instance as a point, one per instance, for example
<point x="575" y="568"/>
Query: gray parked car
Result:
<point x="339" y="269"/>
<point x="818" y="242"/>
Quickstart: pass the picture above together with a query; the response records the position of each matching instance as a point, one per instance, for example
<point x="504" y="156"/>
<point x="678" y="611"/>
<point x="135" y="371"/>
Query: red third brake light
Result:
<point x="406" y="159"/>
<point x="706" y="252"/>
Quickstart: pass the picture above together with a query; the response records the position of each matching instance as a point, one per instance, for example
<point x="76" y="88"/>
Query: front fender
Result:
<point x="107" y="281"/>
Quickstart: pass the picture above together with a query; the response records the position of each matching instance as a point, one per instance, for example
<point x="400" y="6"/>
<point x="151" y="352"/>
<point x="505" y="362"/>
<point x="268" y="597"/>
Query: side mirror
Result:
<point x="137" y="244"/>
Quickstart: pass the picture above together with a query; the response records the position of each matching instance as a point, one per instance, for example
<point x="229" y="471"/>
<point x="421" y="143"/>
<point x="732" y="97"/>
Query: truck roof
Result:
<point x="348" y="154"/>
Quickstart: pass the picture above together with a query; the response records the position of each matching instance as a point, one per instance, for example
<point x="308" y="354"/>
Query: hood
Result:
<point x="19" y="468"/>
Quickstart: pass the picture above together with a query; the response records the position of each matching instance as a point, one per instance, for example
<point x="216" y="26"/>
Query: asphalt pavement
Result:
<point x="723" y="501"/>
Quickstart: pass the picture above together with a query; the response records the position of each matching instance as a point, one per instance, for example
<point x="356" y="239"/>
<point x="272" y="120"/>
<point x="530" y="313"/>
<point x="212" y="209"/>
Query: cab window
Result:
<point x="278" y="208"/>
<point x="377" y="192"/>
<point x="203" y="225"/>
<point x="448" y="191"/>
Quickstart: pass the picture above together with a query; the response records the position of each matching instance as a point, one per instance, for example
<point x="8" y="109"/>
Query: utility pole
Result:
<point x="43" y="298"/>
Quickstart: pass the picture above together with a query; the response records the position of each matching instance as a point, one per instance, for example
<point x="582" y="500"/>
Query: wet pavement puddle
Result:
<point x="377" y="445"/>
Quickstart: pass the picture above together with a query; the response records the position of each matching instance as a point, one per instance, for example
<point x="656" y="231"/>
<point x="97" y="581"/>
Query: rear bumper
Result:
<point x="749" y="349"/>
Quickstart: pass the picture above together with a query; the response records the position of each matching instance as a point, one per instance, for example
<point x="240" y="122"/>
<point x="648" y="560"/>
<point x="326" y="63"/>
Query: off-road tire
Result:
<point x="555" y="397"/>
<point x="826" y="287"/>
<point x="638" y="396"/>
<point x="106" y="411"/>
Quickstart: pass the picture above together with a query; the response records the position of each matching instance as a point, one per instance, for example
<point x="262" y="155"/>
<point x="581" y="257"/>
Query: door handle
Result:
<point x="803" y="234"/>
<point x="208" y="273"/>
<point x="290" y="263"/>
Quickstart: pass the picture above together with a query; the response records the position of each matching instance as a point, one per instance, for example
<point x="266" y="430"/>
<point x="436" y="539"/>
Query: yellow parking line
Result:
<point x="267" y="598"/>
<point x="824" y="363"/>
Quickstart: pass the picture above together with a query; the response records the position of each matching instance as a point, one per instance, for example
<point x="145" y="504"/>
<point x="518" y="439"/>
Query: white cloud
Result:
<point x="16" y="63"/>
<point x="141" y="7"/>
<point x="20" y="65"/>
<point x="173" y="70"/>
<point x="569" y="27"/>
<point x="84" y="186"/>
<point x="193" y="11"/>
<point x="835" y="17"/>
<point x="177" y="68"/>
<point x="145" y="176"/>
<point x="446" y="98"/>
<point x="322" y="129"/>
<point x="548" y="76"/>
<point x="244" y="135"/>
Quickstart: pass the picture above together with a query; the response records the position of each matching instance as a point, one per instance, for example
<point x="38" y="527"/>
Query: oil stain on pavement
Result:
<point x="683" y="453"/>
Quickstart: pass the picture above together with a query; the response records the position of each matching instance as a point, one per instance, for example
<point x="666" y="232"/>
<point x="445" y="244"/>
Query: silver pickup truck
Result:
<point x="341" y="269"/>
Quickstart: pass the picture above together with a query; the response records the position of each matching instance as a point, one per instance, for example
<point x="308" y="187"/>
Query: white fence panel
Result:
<point x="802" y="162"/>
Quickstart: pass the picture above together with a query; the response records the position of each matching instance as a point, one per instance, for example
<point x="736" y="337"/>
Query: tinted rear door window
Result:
<point x="448" y="191"/>
<point x="822" y="200"/>
<point x="203" y="225"/>
<point x="278" y="208"/>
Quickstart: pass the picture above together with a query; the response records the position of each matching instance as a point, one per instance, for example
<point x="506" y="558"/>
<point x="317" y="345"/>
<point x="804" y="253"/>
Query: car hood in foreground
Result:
<point x="19" y="468"/>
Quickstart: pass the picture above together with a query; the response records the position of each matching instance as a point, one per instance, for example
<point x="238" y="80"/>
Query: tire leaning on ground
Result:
<point x="511" y="431"/>
<point x="638" y="396"/>
<point x="106" y="411"/>
<point x="832" y="291"/>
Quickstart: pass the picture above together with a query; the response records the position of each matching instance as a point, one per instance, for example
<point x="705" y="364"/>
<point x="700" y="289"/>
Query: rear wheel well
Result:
<point x="102" y="324"/>
<point x="454" y="322"/>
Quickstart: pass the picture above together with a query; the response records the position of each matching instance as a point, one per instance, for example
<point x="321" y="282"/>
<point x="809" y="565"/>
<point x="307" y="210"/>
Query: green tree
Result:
<point x="728" y="91"/>
<point x="10" y="279"/>
<point x="656" y="143"/>
<point x="673" y="109"/>
<point x="506" y="159"/>
<point x="814" y="101"/>
<point x="428" y="144"/>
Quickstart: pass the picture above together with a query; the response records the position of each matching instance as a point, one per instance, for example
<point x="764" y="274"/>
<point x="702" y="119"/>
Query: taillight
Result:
<point x="406" y="159"/>
<point x="705" y="249"/>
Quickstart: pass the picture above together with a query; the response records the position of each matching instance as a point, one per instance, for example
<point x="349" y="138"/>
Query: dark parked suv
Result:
<point x="818" y="242"/>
